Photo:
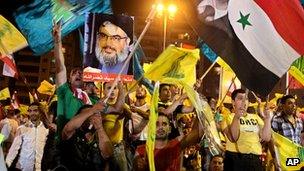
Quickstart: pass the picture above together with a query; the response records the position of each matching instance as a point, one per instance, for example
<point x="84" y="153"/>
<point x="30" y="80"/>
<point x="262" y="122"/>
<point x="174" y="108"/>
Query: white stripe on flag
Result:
<point x="260" y="38"/>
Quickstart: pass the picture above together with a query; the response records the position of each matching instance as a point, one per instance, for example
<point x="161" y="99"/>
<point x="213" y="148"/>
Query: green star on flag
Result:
<point x="244" y="20"/>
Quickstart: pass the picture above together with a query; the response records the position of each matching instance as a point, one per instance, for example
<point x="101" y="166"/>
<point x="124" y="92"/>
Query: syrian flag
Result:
<point x="259" y="39"/>
<point x="9" y="67"/>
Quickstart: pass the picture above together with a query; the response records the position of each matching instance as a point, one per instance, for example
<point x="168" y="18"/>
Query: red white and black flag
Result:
<point x="259" y="39"/>
<point x="9" y="67"/>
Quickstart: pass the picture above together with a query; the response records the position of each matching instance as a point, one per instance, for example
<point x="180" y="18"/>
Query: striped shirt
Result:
<point x="283" y="126"/>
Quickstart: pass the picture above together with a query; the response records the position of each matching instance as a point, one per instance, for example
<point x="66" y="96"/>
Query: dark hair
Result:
<point x="284" y="98"/>
<point x="218" y="155"/>
<point x="76" y="69"/>
<point x="279" y="101"/>
<point x="104" y="84"/>
<point x="235" y="92"/>
<point x="162" y="86"/>
<point x="209" y="98"/>
<point x="40" y="107"/>
<point x="42" y="112"/>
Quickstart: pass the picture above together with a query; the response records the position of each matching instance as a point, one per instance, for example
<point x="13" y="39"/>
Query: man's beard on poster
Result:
<point x="109" y="59"/>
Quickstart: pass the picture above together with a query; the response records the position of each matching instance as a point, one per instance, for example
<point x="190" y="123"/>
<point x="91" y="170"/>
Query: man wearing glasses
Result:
<point x="113" y="37"/>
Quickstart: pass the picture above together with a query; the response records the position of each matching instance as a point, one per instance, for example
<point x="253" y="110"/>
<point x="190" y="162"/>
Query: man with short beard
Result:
<point x="111" y="48"/>
<point x="140" y="116"/>
<point x="288" y="123"/>
<point x="167" y="153"/>
<point x="30" y="139"/>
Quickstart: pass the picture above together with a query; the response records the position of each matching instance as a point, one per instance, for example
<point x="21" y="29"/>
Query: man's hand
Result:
<point x="197" y="84"/>
<point x="267" y="112"/>
<point x="133" y="109"/>
<point x="57" y="32"/>
<point x="99" y="107"/>
<point x="239" y="113"/>
<point x="140" y="163"/>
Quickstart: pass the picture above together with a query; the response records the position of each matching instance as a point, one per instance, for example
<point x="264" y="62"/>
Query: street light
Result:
<point x="166" y="11"/>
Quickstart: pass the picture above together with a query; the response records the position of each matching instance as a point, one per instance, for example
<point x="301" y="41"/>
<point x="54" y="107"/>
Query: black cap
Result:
<point x="125" y="22"/>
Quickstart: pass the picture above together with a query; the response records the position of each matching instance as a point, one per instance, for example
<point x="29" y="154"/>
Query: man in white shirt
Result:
<point x="30" y="139"/>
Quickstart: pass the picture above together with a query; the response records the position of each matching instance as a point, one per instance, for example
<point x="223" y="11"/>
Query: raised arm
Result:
<point x="170" y="109"/>
<point x="139" y="127"/>
<point x="105" y="145"/>
<point x="61" y="72"/>
<point x="265" y="134"/>
<point x="76" y="122"/>
<point x="194" y="136"/>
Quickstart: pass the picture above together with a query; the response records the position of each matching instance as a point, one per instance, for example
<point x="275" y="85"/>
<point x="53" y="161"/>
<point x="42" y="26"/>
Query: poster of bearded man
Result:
<point x="107" y="43"/>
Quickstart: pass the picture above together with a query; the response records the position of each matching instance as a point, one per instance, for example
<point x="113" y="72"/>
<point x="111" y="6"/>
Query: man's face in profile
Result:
<point x="111" y="45"/>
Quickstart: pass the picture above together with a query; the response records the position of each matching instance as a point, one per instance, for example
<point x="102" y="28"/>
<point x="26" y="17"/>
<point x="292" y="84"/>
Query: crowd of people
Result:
<point x="83" y="131"/>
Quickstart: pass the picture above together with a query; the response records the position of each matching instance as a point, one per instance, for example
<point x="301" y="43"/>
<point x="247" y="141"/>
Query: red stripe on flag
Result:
<point x="9" y="61"/>
<point x="294" y="84"/>
<point x="287" y="16"/>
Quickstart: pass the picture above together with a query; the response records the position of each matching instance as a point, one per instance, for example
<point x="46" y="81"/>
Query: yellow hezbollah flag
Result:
<point x="11" y="40"/>
<point x="152" y="127"/>
<point x="227" y="76"/>
<point x="174" y="64"/>
<point x="285" y="150"/>
<point x="4" y="94"/>
<point x="46" y="88"/>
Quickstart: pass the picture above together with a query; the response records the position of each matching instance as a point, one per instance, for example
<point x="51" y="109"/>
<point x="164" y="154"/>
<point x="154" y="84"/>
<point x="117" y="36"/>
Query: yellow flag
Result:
<point x="23" y="109"/>
<point x="223" y="64"/>
<point x="202" y="107"/>
<point x="11" y="40"/>
<point x="4" y="94"/>
<point x="152" y="127"/>
<point x="227" y="76"/>
<point x="174" y="64"/>
<point x="286" y="149"/>
<point x="46" y="88"/>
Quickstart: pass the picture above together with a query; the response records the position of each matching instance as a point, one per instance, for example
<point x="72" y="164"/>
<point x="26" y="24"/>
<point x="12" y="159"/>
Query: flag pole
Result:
<point x="232" y="82"/>
<point x="287" y="83"/>
<point x="221" y="82"/>
<point x="148" y="23"/>
<point x="207" y="71"/>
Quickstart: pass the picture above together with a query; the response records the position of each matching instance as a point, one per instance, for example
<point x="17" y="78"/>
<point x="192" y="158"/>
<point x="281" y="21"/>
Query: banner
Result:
<point x="107" y="43"/>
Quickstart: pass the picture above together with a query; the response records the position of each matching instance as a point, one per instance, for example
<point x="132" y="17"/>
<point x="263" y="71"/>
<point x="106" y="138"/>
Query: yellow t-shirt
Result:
<point x="249" y="139"/>
<point x="115" y="133"/>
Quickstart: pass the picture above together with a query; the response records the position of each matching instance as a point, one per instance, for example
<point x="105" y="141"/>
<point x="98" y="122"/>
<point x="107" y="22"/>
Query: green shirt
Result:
<point x="67" y="106"/>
